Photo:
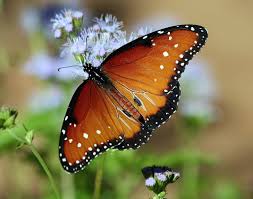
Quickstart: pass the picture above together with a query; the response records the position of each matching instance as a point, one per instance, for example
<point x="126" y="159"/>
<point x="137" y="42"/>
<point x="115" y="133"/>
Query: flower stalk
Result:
<point x="99" y="178"/>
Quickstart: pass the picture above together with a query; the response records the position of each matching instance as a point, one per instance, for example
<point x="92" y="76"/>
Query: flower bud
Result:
<point x="29" y="137"/>
<point x="7" y="117"/>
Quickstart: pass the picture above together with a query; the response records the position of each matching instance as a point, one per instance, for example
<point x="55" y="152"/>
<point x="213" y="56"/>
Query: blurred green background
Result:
<point x="209" y="140"/>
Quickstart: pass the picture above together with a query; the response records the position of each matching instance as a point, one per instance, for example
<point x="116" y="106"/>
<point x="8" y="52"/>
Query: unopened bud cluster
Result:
<point x="157" y="178"/>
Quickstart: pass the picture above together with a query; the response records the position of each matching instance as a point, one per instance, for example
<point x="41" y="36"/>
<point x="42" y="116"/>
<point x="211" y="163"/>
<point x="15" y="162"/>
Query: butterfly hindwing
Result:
<point x="94" y="122"/>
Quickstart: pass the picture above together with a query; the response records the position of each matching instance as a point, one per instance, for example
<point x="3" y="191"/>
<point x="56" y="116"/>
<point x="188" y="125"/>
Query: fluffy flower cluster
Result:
<point x="65" y="22"/>
<point x="93" y="44"/>
<point x="157" y="178"/>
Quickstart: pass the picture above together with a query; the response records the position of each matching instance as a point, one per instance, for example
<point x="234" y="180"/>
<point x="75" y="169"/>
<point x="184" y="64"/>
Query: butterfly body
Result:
<point x="135" y="90"/>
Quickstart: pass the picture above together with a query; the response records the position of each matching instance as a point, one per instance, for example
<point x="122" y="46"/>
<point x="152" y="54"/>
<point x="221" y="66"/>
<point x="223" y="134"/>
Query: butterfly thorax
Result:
<point x="96" y="75"/>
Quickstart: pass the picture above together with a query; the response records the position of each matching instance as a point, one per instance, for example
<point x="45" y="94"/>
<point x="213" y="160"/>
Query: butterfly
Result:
<point x="135" y="90"/>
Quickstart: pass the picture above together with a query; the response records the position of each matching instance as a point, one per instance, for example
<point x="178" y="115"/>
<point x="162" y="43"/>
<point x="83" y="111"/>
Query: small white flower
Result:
<point x="64" y="20"/>
<point x="59" y="22"/>
<point x="46" y="99"/>
<point x="172" y="175"/>
<point x="176" y="176"/>
<point x="150" y="182"/>
<point x="57" y="33"/>
<point x="76" y="46"/>
<point x="77" y="14"/>
<point x="140" y="32"/>
<point x="30" y="20"/>
<point x="161" y="177"/>
<point x="144" y="31"/>
<point x="109" y="23"/>
<point x="95" y="62"/>
<point x="69" y="27"/>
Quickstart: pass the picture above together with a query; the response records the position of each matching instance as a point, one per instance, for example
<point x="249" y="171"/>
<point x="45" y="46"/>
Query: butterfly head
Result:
<point x="87" y="67"/>
<point x="95" y="74"/>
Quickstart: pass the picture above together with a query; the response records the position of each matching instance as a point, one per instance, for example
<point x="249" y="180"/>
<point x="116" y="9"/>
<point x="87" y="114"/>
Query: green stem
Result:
<point x="161" y="195"/>
<point x="40" y="160"/>
<point x="16" y="137"/>
<point x="46" y="169"/>
<point x="98" y="180"/>
<point x="67" y="186"/>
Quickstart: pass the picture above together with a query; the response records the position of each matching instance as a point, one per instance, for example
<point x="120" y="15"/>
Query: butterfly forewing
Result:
<point x="146" y="72"/>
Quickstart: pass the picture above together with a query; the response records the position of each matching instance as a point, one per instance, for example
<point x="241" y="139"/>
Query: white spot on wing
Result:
<point x="85" y="135"/>
<point x="176" y="45"/>
<point x="165" y="54"/>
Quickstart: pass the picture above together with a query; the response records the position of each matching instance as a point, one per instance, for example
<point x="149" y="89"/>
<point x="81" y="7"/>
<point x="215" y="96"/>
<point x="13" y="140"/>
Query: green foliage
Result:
<point x="227" y="190"/>
<point x="121" y="170"/>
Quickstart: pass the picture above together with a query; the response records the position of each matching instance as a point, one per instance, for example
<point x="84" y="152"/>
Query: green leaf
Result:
<point x="29" y="136"/>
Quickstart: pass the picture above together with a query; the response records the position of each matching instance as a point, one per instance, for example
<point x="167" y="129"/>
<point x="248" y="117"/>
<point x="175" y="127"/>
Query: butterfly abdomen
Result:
<point x="127" y="107"/>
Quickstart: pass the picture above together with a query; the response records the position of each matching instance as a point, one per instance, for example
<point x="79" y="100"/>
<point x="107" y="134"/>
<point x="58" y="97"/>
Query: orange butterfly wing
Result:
<point x="146" y="72"/>
<point x="93" y="123"/>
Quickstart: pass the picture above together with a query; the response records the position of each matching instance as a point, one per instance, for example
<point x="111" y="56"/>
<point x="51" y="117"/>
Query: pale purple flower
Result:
<point x="161" y="177"/>
<point x="40" y="65"/>
<point x="46" y="99"/>
<point x="74" y="46"/>
<point x="77" y="14"/>
<point x="64" y="21"/>
<point x="57" y="33"/>
<point x="109" y="24"/>
<point x="30" y="20"/>
<point x="150" y="182"/>
<point x="140" y="32"/>
<point x="68" y="27"/>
